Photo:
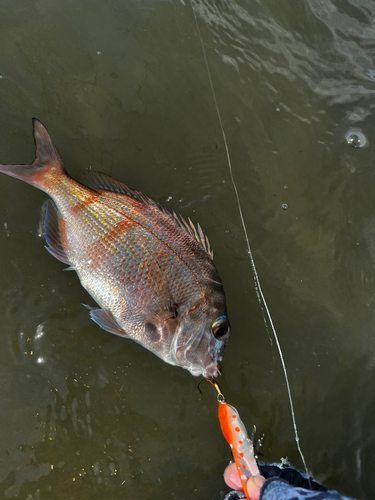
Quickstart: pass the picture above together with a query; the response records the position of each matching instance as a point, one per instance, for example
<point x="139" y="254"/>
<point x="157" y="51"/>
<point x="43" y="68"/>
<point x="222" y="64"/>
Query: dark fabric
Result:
<point x="278" y="489"/>
<point x="284" y="482"/>
<point x="291" y="476"/>
<point x="234" y="495"/>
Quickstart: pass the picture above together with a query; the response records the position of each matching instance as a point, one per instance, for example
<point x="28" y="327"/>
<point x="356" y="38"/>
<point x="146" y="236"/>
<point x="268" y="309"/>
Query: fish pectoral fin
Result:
<point x="168" y="311"/>
<point x="51" y="232"/>
<point x="157" y="330"/>
<point x="106" y="320"/>
<point x="163" y="324"/>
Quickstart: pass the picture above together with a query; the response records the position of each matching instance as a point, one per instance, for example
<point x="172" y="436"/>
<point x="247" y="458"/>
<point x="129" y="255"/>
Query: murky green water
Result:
<point x="123" y="88"/>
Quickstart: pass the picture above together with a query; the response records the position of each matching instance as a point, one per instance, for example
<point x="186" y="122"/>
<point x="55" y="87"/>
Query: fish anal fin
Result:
<point x="51" y="232"/>
<point x="106" y="320"/>
<point x="70" y="268"/>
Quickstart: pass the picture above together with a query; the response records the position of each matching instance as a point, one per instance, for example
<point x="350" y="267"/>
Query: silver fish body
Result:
<point x="150" y="272"/>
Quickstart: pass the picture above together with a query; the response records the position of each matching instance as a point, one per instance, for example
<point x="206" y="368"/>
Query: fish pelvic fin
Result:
<point x="47" y="160"/>
<point x="106" y="320"/>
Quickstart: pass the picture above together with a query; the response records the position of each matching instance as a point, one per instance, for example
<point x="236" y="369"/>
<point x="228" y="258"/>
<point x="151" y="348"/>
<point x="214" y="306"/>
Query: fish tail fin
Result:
<point x="47" y="159"/>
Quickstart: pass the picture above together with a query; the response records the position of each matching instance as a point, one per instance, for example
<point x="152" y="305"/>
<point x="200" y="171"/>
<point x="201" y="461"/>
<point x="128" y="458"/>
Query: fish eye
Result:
<point x="221" y="329"/>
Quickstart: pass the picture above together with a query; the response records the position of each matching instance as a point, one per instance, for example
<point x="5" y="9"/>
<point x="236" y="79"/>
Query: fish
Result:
<point x="150" y="271"/>
<point x="235" y="433"/>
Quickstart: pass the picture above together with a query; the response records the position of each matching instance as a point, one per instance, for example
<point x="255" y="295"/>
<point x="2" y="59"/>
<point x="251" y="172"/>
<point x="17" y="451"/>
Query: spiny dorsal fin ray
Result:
<point x="97" y="180"/>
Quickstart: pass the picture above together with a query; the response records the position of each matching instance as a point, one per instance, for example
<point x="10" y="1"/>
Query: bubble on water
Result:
<point x="96" y="468"/>
<point x="370" y="74"/>
<point x="356" y="138"/>
<point x="39" y="332"/>
<point x="284" y="206"/>
<point x="286" y="186"/>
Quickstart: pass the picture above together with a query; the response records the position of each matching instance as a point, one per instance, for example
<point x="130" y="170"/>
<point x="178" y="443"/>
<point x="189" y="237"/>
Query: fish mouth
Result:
<point x="207" y="370"/>
<point x="217" y="354"/>
<point x="211" y="371"/>
<point x="197" y="371"/>
<point x="189" y="355"/>
<point x="200" y="354"/>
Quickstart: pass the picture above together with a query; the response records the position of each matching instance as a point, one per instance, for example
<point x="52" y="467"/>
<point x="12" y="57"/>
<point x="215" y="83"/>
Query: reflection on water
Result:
<point x="123" y="88"/>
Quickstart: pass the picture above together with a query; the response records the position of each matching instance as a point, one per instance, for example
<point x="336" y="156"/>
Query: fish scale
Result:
<point x="162" y="250"/>
<point x="157" y="291"/>
<point x="150" y="272"/>
<point x="180" y="286"/>
<point x="172" y="238"/>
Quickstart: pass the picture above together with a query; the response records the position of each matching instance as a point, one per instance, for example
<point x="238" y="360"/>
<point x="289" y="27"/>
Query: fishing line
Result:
<point x="258" y="288"/>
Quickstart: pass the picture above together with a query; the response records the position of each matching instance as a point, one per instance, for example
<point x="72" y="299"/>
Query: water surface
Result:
<point x="123" y="88"/>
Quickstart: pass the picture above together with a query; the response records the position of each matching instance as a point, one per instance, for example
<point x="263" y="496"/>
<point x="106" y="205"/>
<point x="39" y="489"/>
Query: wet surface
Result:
<point x="123" y="88"/>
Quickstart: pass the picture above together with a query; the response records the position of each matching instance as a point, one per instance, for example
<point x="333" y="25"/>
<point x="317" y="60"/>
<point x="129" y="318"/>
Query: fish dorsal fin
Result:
<point x="97" y="180"/>
<point x="191" y="230"/>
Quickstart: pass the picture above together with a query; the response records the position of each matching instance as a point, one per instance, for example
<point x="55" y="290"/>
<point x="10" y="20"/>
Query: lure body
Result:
<point x="241" y="445"/>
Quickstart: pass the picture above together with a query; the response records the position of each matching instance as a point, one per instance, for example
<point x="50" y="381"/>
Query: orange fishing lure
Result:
<point x="236" y="435"/>
<point x="241" y="445"/>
